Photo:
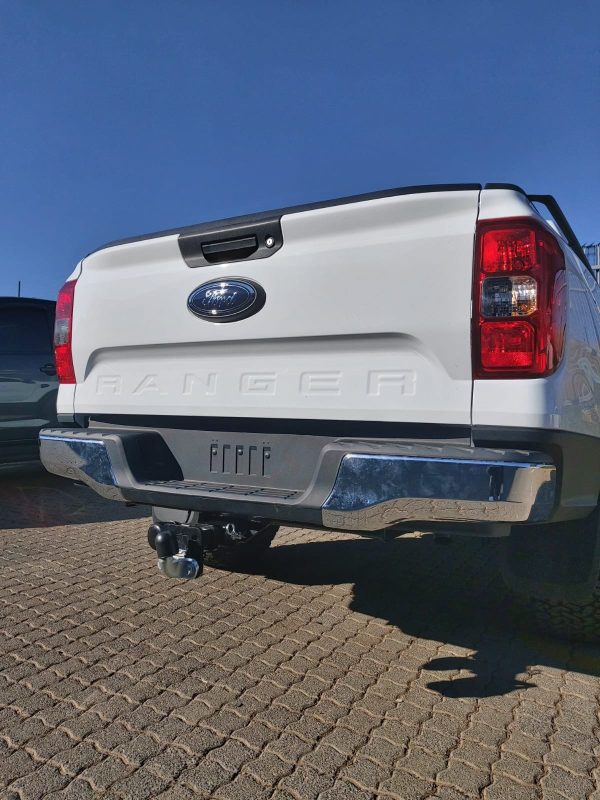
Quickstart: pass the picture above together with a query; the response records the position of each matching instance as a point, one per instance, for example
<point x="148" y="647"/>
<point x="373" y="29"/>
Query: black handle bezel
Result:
<point x="223" y="244"/>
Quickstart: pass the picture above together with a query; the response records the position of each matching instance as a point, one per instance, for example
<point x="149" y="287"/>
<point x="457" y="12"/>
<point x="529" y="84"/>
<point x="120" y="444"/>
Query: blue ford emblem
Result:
<point x="227" y="301"/>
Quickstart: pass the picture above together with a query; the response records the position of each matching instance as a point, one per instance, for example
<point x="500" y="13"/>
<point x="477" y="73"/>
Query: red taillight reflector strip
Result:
<point x="63" y="328"/>
<point x="507" y="345"/>
<point x="519" y="272"/>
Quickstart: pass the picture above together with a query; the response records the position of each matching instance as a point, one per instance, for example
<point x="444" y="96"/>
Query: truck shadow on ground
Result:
<point x="449" y="593"/>
<point x="32" y="498"/>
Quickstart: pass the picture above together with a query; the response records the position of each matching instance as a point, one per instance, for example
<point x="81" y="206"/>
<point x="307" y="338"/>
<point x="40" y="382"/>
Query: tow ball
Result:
<point x="179" y="549"/>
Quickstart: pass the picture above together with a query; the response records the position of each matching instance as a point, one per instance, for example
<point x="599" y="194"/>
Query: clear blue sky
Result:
<point x="119" y="118"/>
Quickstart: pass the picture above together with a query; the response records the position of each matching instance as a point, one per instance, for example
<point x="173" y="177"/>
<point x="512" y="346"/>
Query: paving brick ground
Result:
<point x="345" y="669"/>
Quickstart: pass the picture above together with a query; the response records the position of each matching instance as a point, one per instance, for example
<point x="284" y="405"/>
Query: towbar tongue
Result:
<point x="179" y="549"/>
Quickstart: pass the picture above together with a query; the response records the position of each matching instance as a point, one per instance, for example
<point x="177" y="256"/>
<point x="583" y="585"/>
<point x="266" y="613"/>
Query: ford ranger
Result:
<point x="425" y="357"/>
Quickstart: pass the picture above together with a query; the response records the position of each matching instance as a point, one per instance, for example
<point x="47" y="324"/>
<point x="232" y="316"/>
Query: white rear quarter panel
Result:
<point x="568" y="400"/>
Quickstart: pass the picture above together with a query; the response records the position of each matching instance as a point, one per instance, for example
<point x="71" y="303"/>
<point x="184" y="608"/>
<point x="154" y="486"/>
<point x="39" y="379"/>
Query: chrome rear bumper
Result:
<point x="357" y="485"/>
<point x="373" y="492"/>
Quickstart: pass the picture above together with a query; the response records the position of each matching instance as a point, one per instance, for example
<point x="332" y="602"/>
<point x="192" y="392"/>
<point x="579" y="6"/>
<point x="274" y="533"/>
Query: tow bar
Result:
<point x="180" y="548"/>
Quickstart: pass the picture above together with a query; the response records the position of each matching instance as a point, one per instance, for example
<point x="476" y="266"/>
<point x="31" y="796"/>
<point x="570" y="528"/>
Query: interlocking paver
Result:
<point x="341" y="669"/>
<point x="15" y="765"/>
<point x="38" y="783"/>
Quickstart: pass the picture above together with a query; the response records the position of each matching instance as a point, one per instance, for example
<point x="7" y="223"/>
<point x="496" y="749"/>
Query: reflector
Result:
<point x="507" y="345"/>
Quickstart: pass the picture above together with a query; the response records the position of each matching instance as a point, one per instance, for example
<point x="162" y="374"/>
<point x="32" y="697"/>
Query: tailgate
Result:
<point x="366" y="316"/>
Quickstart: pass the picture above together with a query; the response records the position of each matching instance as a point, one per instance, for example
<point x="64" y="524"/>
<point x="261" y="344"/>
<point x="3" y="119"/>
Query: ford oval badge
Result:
<point x="227" y="301"/>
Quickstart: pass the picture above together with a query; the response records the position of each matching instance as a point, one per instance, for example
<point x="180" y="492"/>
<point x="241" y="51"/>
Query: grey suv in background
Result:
<point x="28" y="383"/>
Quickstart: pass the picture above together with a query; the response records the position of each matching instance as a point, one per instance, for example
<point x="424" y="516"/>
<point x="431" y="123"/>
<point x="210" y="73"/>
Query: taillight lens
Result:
<point x="63" y="328"/>
<point x="519" y="299"/>
<point x="507" y="345"/>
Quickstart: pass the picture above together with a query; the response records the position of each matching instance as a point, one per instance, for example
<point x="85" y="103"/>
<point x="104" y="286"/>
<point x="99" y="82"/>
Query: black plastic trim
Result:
<point x="312" y="427"/>
<point x="225" y="226"/>
<point x="218" y="249"/>
<point x="67" y="421"/>
<point x="149" y="458"/>
<point x="563" y="223"/>
<point x="229" y="243"/>
<point x="222" y="506"/>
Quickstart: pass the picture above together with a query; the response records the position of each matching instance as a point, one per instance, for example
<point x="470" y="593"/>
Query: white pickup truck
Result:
<point x="426" y="357"/>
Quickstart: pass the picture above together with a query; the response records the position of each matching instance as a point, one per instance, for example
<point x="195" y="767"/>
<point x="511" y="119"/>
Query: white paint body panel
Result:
<point x="367" y="317"/>
<point x="568" y="400"/>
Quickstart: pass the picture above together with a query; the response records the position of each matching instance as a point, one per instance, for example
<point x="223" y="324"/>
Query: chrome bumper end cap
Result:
<point x="372" y="492"/>
<point x="81" y="458"/>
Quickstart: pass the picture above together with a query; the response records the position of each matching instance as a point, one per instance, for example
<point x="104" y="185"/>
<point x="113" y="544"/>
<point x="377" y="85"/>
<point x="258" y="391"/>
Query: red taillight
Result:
<point x="518" y="299"/>
<point x="507" y="345"/>
<point x="63" y="333"/>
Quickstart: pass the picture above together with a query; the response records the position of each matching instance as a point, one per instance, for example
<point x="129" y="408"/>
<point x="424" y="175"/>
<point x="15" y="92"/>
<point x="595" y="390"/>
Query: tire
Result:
<point x="553" y="574"/>
<point x="244" y="553"/>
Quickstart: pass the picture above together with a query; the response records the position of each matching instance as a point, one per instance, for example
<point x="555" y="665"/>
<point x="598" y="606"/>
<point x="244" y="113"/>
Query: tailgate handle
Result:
<point x="228" y="249"/>
<point x="238" y="239"/>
